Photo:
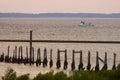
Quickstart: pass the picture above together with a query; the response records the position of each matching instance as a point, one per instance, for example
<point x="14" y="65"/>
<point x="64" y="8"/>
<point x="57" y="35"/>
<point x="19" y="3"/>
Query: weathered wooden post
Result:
<point x="45" y="58"/>
<point x="73" y="61"/>
<point x="97" y="62"/>
<point x="8" y="51"/>
<point x="19" y="55"/>
<point x="39" y="56"/>
<point x="58" y="63"/>
<point x="30" y="46"/>
<point x="106" y="66"/>
<point x="65" y="61"/>
<point x="13" y="58"/>
<point x="80" y="66"/>
<point x="38" y="61"/>
<point x="51" y="61"/>
<point x="32" y="55"/>
<point x="2" y="57"/>
<point x="7" y="58"/>
<point x="21" y="59"/>
<point x="105" y="62"/>
<point x="15" y="54"/>
<point x="89" y="64"/>
<point x="114" y="62"/>
<point x="26" y="58"/>
<point x="27" y="55"/>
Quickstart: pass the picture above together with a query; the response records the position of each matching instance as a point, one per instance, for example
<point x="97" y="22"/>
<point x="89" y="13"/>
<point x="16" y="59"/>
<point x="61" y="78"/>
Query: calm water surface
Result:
<point x="60" y="29"/>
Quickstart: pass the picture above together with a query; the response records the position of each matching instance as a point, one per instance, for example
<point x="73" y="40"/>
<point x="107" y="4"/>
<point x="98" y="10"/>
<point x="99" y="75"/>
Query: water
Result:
<point x="60" y="29"/>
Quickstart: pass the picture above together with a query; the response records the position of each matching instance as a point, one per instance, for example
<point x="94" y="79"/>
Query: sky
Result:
<point x="60" y="6"/>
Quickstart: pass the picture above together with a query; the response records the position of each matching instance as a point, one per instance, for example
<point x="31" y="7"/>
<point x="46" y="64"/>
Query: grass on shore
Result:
<point x="78" y="75"/>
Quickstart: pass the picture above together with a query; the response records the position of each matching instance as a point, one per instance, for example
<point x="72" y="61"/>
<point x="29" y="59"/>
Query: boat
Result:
<point x="84" y="24"/>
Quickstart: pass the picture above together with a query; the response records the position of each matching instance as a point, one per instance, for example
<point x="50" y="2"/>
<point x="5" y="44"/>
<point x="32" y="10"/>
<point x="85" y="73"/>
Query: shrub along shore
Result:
<point x="77" y="75"/>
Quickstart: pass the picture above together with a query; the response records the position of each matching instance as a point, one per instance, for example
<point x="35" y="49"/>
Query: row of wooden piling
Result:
<point x="18" y="58"/>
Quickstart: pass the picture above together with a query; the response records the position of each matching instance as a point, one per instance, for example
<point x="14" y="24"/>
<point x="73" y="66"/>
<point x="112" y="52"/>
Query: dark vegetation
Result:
<point x="78" y="75"/>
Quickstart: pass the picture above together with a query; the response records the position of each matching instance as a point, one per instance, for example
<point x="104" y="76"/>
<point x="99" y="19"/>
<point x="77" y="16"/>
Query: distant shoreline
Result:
<point x="59" y="15"/>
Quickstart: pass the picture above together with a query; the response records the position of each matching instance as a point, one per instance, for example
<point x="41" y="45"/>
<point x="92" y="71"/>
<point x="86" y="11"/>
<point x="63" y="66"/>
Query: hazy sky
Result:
<point x="57" y="6"/>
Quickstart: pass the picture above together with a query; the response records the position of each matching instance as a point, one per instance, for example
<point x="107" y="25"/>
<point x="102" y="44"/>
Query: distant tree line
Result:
<point x="60" y="15"/>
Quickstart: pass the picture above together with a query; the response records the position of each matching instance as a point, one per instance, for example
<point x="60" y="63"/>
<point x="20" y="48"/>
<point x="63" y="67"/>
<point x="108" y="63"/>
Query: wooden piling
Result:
<point x="65" y="60"/>
<point x="39" y="57"/>
<point x="45" y="58"/>
<point x="7" y="58"/>
<point x="105" y="62"/>
<point x="73" y="62"/>
<point x="26" y="58"/>
<point x="38" y="61"/>
<point x="13" y="58"/>
<point x="58" y="63"/>
<point x="30" y="46"/>
<point x="114" y="62"/>
<point x="2" y="58"/>
<point x="32" y="56"/>
<point x="21" y="59"/>
<point x="19" y="55"/>
<point x="51" y="61"/>
<point x="97" y="62"/>
<point x="51" y="54"/>
<point x="8" y="51"/>
<point x="80" y="66"/>
<point x="89" y="64"/>
<point x="27" y="55"/>
<point x="15" y="54"/>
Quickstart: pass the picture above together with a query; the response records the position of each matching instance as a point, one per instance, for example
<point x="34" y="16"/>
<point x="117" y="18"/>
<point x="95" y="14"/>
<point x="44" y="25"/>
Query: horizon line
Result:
<point x="60" y="13"/>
